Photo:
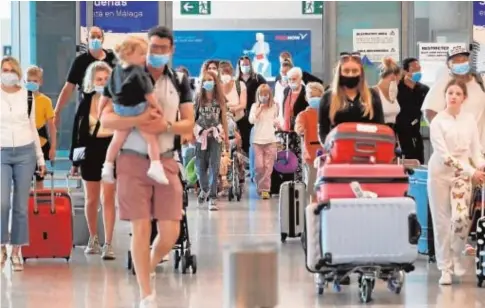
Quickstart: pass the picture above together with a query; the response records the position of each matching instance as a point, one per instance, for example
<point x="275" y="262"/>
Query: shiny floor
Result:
<point x="88" y="282"/>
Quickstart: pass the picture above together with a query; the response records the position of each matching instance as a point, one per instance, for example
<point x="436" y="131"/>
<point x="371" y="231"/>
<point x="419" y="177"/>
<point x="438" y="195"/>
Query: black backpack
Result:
<point x="479" y="80"/>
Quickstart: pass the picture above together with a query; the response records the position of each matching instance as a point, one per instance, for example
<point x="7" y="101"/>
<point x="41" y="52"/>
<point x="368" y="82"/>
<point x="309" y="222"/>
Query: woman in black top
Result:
<point x="349" y="98"/>
<point x="245" y="73"/>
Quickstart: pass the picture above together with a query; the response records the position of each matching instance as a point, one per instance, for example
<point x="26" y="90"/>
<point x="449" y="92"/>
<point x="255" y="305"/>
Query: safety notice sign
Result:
<point x="436" y="52"/>
<point x="377" y="43"/>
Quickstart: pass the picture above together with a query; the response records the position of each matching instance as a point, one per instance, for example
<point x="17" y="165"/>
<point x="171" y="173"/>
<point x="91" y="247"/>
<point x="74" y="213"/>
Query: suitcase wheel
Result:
<point x="480" y="283"/>
<point x="320" y="290"/>
<point x="67" y="259"/>
<point x="189" y="262"/>
<point x="365" y="290"/>
<point x="283" y="237"/>
<point x="337" y="287"/>
<point x="395" y="283"/>
<point x="230" y="195"/>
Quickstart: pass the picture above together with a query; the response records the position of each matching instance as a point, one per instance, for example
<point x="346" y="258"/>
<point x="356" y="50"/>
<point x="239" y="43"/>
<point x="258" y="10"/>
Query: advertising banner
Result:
<point x="119" y="18"/>
<point x="262" y="46"/>
<point x="478" y="55"/>
<point x="377" y="43"/>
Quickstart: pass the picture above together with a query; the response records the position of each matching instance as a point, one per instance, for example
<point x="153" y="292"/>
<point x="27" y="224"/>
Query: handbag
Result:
<point x="79" y="153"/>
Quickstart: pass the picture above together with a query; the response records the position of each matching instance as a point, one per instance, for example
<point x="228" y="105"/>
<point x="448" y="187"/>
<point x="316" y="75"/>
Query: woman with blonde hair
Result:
<point x="349" y="98"/>
<point x="210" y="130"/>
<point x="20" y="151"/>
<point x="264" y="117"/>
<point x="388" y="90"/>
<point x="92" y="139"/>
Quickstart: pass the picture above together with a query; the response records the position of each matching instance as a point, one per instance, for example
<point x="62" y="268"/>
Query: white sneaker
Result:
<point x="157" y="173"/>
<point x="93" y="247"/>
<point x="149" y="302"/>
<point x="202" y="198"/>
<point x="107" y="173"/>
<point x="446" y="278"/>
<point x="459" y="268"/>
<point x="213" y="205"/>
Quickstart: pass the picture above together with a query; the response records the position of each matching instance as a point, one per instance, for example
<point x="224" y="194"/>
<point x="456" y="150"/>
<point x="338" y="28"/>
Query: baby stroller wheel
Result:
<point x="193" y="264"/>
<point x="176" y="260"/>
<point x="230" y="194"/>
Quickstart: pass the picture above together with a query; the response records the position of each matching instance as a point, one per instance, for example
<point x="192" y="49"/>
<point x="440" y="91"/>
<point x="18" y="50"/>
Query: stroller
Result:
<point x="182" y="248"/>
<point x="236" y="175"/>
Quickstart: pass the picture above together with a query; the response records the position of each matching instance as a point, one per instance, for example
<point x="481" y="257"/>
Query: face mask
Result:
<point x="32" y="86"/>
<point x="9" y="79"/>
<point x="99" y="89"/>
<point x="294" y="86"/>
<point x="416" y="77"/>
<point x="208" y="85"/>
<point x="264" y="99"/>
<point x="393" y="90"/>
<point x="245" y="69"/>
<point x="460" y="68"/>
<point x="314" y="102"/>
<point x="226" y="78"/>
<point x="158" y="61"/>
<point x="284" y="79"/>
<point x="95" y="44"/>
<point x="349" y="82"/>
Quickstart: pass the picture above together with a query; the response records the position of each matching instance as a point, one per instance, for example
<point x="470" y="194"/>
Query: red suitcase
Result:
<point x="361" y="143"/>
<point x="50" y="224"/>
<point x="386" y="180"/>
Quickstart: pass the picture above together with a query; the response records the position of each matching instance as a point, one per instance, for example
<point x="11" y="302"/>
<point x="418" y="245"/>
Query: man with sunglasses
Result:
<point x="79" y="66"/>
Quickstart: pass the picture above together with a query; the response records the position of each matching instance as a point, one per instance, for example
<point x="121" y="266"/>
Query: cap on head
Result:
<point x="456" y="51"/>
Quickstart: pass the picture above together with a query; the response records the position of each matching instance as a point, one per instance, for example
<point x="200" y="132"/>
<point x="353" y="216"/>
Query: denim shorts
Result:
<point x="129" y="111"/>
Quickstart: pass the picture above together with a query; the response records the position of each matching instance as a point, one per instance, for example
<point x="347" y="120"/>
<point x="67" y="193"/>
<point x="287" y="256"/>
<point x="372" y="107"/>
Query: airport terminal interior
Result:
<point x="50" y="34"/>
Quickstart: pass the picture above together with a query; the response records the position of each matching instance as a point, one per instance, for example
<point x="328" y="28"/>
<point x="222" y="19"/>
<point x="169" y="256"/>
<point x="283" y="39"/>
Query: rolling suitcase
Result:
<point x="50" y="224"/>
<point x="380" y="231"/>
<point x="292" y="202"/>
<point x="386" y="180"/>
<point x="480" y="233"/>
<point x="361" y="143"/>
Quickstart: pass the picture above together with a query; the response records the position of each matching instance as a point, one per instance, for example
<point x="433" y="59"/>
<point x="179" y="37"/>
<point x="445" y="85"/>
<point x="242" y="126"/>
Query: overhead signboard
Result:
<point x="195" y="7"/>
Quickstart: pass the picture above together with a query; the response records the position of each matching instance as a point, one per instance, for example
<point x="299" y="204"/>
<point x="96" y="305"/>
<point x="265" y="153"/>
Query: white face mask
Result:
<point x="226" y="78"/>
<point x="393" y="90"/>
<point x="9" y="79"/>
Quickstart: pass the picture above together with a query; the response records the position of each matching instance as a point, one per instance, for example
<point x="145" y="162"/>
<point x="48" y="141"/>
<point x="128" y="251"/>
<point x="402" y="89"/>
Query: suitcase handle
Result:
<point x="414" y="229"/>
<point x="365" y="147"/>
<point x="36" y="204"/>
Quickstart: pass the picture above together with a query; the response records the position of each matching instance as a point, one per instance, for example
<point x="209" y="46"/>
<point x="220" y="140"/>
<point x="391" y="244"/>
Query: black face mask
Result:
<point x="349" y="82"/>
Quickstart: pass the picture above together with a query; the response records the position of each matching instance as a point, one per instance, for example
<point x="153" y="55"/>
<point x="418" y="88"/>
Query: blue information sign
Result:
<point x="122" y="16"/>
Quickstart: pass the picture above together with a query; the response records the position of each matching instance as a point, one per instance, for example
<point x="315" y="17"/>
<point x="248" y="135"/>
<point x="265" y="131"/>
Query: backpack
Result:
<point x="479" y="80"/>
<point x="30" y="101"/>
<point x="177" y="79"/>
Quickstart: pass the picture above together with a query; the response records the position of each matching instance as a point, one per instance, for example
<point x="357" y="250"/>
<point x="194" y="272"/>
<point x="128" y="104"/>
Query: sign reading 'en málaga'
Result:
<point x="195" y="7"/>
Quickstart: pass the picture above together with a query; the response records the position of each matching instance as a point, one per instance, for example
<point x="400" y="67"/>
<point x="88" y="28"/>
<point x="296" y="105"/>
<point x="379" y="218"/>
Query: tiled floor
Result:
<point x="88" y="282"/>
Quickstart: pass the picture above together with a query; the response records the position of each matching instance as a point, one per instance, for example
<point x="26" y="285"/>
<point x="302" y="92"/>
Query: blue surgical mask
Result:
<point x="245" y="69"/>
<point x="99" y="89"/>
<point x="416" y="77"/>
<point x="314" y="102"/>
<point x="294" y="86"/>
<point x="9" y="79"/>
<point x="95" y="44"/>
<point x="208" y="85"/>
<point x="32" y="86"/>
<point x="460" y="68"/>
<point x="158" y="61"/>
<point x="284" y="78"/>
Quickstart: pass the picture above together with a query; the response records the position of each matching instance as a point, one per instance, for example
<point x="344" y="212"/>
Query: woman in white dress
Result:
<point x="387" y="88"/>
<point x="455" y="140"/>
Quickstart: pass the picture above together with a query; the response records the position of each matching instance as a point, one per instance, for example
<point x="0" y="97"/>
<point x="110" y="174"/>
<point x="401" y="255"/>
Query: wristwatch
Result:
<point x="169" y="127"/>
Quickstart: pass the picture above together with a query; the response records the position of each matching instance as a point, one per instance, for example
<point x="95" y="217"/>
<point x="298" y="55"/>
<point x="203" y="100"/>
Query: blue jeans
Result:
<point x="207" y="165"/>
<point x="129" y="111"/>
<point x="18" y="166"/>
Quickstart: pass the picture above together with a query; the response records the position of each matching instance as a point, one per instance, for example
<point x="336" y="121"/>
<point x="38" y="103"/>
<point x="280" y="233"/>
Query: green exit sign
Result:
<point x="312" y="7"/>
<point x="195" y="7"/>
